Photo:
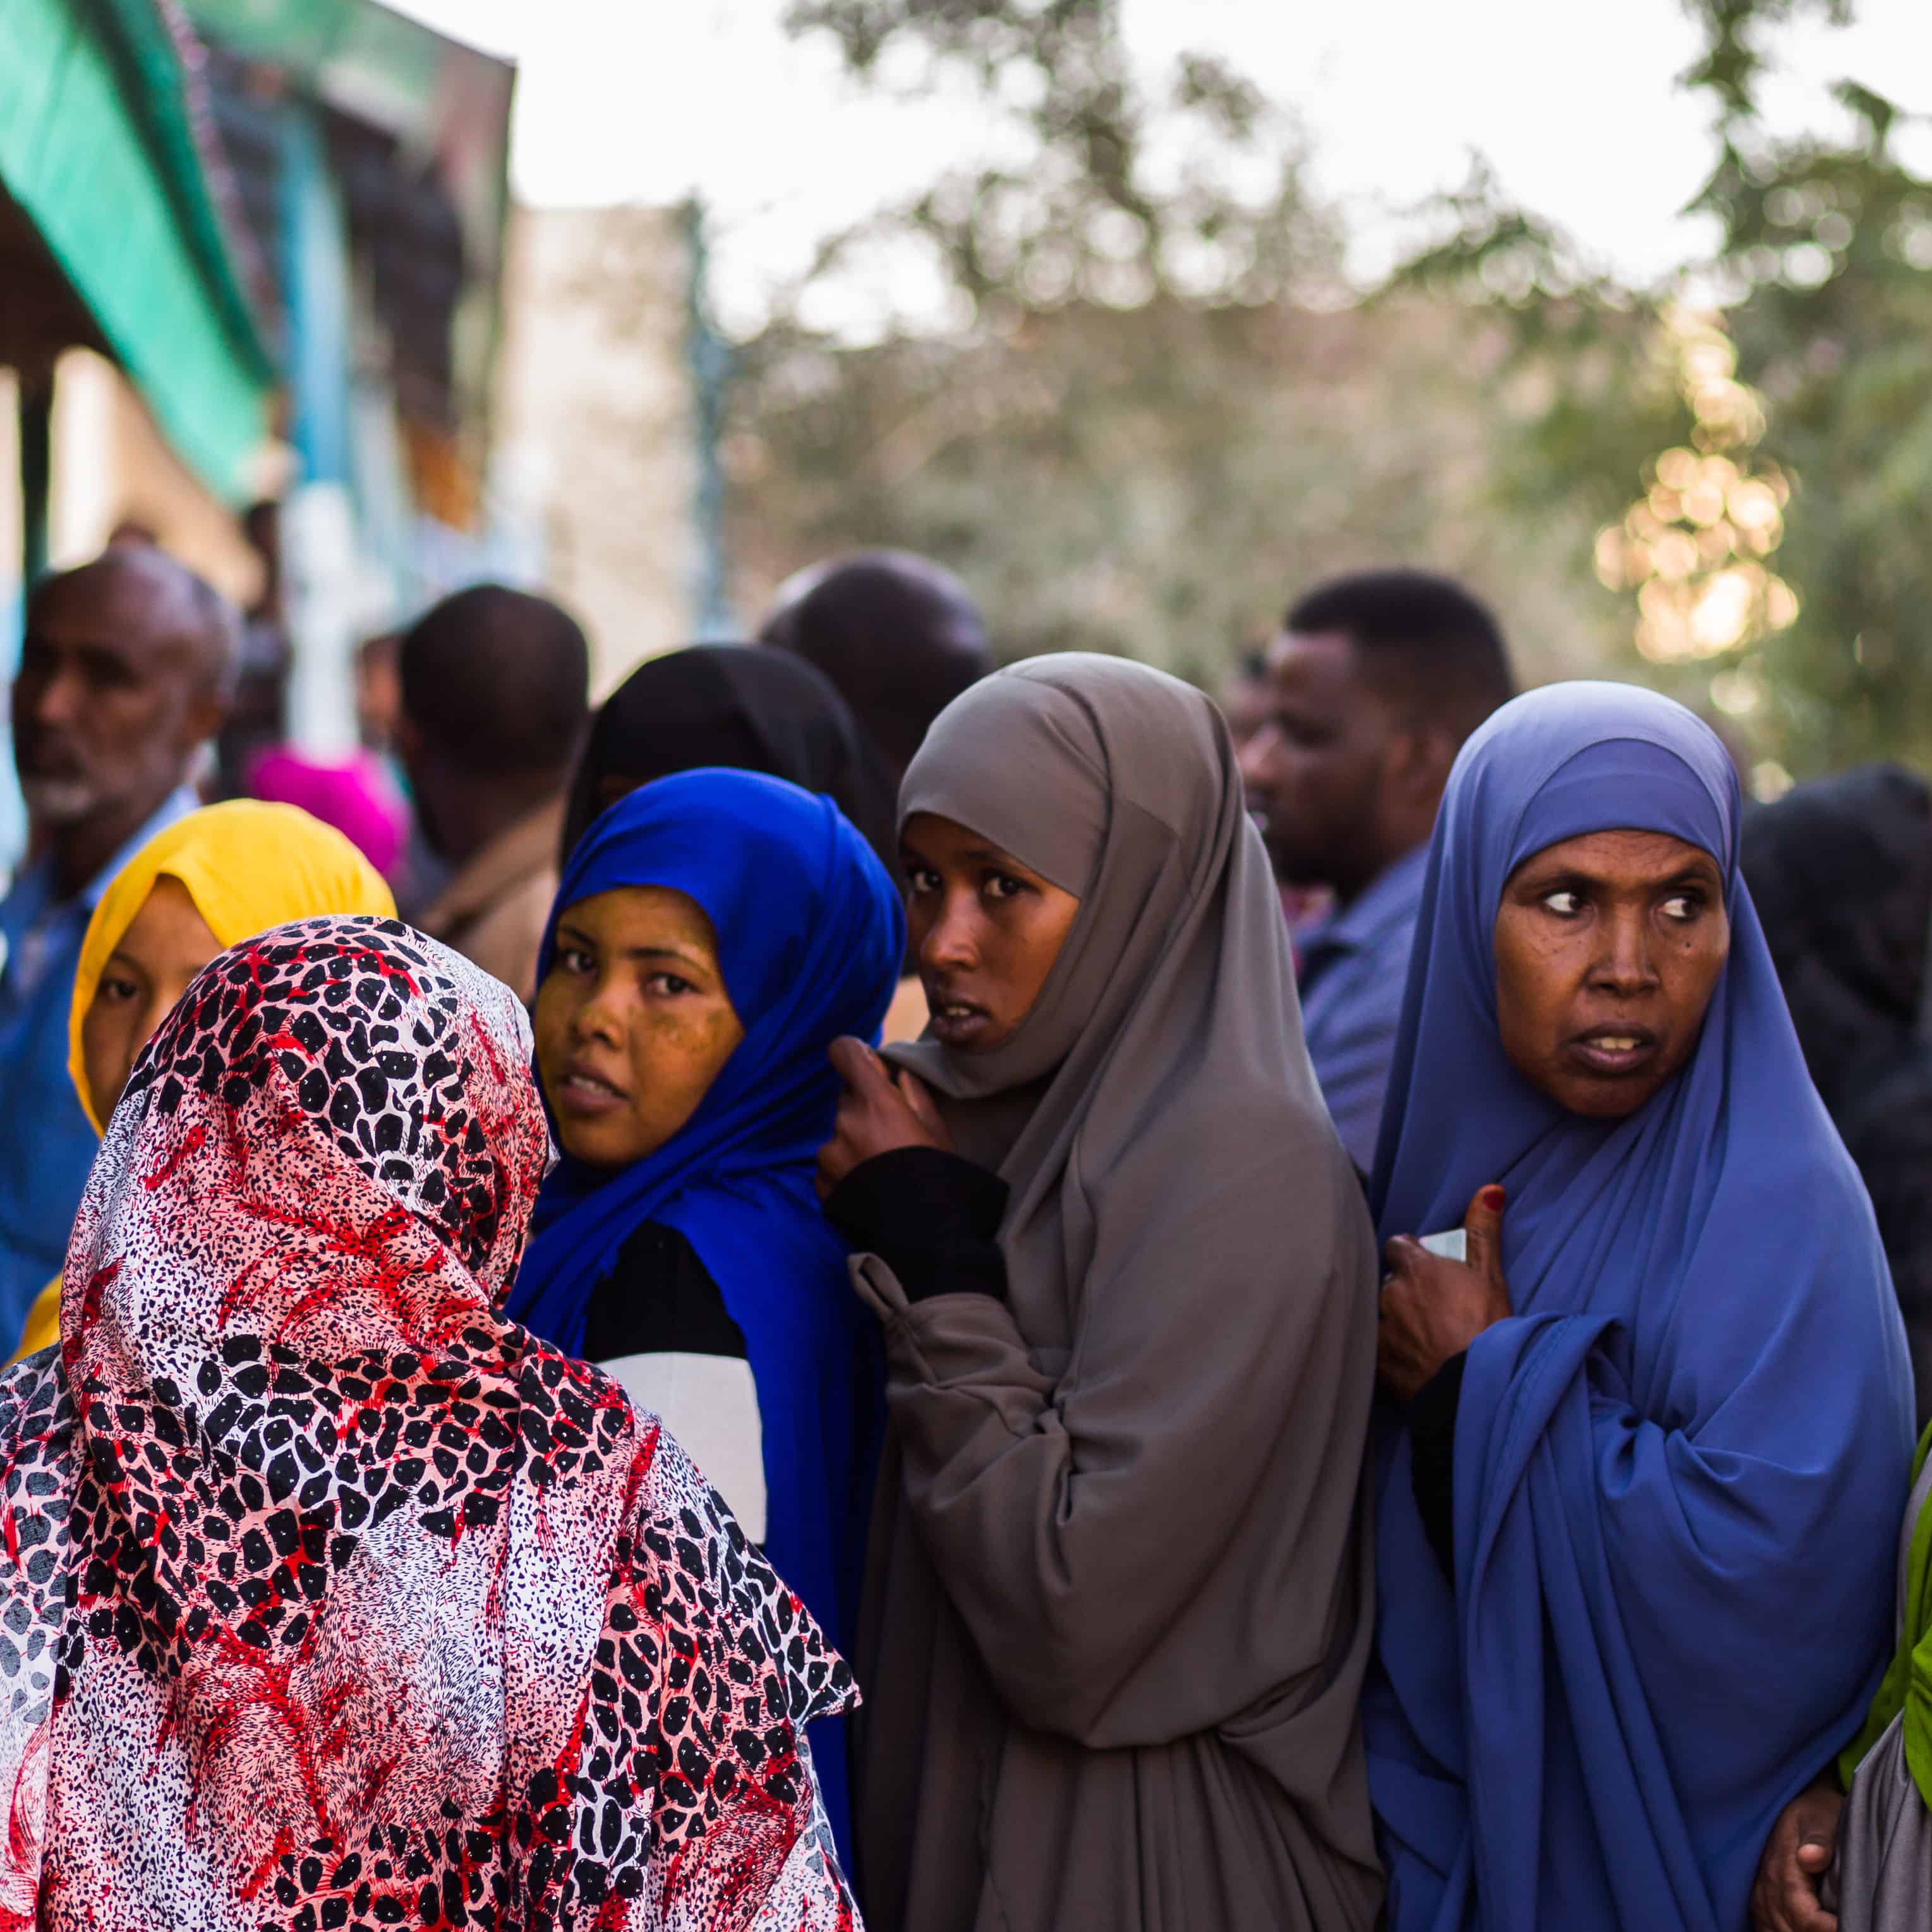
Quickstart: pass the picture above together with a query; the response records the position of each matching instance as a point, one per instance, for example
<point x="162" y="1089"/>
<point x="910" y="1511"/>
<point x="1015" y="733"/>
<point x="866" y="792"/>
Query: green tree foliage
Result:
<point x="1822" y="280"/>
<point x="1163" y="412"/>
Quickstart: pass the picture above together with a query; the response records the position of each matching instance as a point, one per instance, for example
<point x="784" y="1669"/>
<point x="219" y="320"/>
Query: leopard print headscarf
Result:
<point x="328" y="1597"/>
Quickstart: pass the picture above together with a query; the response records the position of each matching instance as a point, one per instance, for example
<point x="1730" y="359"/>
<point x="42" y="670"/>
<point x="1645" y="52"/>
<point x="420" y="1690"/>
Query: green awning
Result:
<point x="96" y="146"/>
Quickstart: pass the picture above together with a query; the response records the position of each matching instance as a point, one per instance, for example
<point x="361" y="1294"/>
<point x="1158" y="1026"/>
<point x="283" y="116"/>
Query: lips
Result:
<point x="1615" y="1052"/>
<point x="957" y="1022"/>
<point x="583" y="1092"/>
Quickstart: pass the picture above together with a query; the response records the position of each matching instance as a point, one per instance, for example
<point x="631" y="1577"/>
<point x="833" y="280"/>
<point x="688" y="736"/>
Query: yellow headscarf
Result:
<point x="247" y="866"/>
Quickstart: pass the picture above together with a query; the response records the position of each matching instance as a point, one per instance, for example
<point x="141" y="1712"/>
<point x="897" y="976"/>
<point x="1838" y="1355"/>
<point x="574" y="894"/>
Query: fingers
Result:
<point x="1399" y="1251"/>
<point x="856" y="1064"/>
<point x="1483" y="1224"/>
<point x="918" y="1096"/>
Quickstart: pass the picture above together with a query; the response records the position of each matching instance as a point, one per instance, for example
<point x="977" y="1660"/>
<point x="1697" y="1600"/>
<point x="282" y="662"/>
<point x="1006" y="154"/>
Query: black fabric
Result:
<point x="743" y="708"/>
<point x="1885" y="1117"/>
<point x="1840" y="871"/>
<point x="1432" y="1458"/>
<point x="933" y="1217"/>
<point x="659" y="1300"/>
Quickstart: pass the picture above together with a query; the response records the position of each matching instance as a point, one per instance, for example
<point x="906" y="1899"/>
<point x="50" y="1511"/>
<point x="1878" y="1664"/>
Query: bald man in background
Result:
<point x="126" y="669"/>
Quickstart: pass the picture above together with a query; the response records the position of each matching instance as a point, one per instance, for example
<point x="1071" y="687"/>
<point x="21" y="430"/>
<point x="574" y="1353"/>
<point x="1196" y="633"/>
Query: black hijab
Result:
<point x="744" y="709"/>
<point x="1841" y="872"/>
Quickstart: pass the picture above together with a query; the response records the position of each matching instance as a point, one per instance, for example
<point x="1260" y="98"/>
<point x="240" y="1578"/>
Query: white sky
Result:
<point x="1573" y="101"/>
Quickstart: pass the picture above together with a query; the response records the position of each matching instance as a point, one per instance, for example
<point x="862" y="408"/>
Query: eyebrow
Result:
<point x="984" y="855"/>
<point x="579" y="936"/>
<point x="1695" y="873"/>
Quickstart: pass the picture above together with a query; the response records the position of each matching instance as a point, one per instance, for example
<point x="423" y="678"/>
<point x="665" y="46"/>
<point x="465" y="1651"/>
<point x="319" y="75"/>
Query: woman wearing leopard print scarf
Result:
<point x="328" y="1597"/>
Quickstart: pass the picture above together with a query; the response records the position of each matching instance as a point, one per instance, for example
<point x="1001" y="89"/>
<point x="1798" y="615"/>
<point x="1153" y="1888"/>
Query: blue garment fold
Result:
<point x="810" y="933"/>
<point x="1679" y="1464"/>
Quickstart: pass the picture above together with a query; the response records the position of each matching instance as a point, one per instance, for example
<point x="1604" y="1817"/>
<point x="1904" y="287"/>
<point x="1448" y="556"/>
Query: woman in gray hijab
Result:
<point x="1118" y="1597"/>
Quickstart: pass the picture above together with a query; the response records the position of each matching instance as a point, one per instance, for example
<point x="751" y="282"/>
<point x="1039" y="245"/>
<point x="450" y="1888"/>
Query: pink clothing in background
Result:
<point x="356" y="794"/>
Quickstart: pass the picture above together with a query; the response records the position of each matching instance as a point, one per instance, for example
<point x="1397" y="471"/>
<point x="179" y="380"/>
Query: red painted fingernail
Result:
<point x="1493" y="1198"/>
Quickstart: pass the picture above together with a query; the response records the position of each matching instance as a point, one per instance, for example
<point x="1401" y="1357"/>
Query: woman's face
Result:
<point x="633" y="1023"/>
<point x="985" y="929"/>
<point x="1608" y="949"/>
<point x="167" y="944"/>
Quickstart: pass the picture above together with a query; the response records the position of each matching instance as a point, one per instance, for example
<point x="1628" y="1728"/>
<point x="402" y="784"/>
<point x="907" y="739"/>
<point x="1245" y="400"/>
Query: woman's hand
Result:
<point x="1796" y="1857"/>
<point x="1433" y="1308"/>
<point x="876" y="1114"/>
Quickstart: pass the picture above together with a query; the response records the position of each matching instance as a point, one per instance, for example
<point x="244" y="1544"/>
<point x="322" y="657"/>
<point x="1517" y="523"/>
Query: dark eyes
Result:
<point x="575" y="959"/>
<point x="1567" y="903"/>
<point x="117" y="988"/>
<point x="670" y="984"/>
<point x="998" y="886"/>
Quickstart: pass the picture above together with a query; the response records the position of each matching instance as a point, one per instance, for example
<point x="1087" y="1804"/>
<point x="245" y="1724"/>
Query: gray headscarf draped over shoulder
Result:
<point x="1155" y="1540"/>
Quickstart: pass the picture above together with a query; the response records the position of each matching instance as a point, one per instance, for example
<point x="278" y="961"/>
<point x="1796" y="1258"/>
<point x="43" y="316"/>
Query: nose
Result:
<point x="951" y="944"/>
<point x="1626" y="965"/>
<point x="56" y="698"/>
<point x="599" y="1019"/>
<point x="1257" y="757"/>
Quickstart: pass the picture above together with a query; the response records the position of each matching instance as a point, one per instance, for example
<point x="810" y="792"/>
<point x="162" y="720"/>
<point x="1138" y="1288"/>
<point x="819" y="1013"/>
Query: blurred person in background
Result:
<point x="126" y="667"/>
<point x="1245" y="699"/>
<point x="419" y="874"/>
<point x="899" y="636"/>
<point x="258" y="717"/>
<point x="496" y="688"/>
<point x="715" y="932"/>
<point x="1373" y="684"/>
<point x="742" y="708"/>
<point x="1247" y="703"/>
<point x="356" y="795"/>
<point x="379" y="691"/>
<point x="1841" y="872"/>
<point x="200" y="885"/>
<point x="745" y="709"/>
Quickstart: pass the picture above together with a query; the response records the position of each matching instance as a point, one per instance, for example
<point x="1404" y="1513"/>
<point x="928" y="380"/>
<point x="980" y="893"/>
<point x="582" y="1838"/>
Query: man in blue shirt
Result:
<point x="1373" y="684"/>
<point x="125" y="670"/>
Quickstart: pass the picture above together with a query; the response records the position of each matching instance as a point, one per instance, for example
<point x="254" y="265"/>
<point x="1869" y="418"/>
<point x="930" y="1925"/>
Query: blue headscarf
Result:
<point x="1679" y="1466"/>
<point x="810" y="934"/>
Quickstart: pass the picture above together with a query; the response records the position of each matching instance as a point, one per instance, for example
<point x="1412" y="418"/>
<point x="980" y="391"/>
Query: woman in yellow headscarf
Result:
<point x="208" y="882"/>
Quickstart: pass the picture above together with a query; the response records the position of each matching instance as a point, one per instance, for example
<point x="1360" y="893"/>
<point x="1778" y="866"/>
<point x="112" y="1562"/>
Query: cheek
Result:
<point x="549" y="1025"/>
<point x="107" y="1040"/>
<point x="675" y="1053"/>
<point x="1534" y="982"/>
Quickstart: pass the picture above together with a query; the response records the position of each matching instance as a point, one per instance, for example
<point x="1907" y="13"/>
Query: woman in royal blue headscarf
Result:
<point x="713" y="934"/>
<point x="1644" y="1451"/>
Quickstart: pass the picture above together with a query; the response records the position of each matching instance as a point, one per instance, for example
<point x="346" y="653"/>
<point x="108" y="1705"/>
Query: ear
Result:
<point x="1420" y="758"/>
<point x="207" y="713"/>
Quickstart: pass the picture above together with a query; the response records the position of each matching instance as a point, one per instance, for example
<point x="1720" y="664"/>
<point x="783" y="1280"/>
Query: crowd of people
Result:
<point x="965" y="1297"/>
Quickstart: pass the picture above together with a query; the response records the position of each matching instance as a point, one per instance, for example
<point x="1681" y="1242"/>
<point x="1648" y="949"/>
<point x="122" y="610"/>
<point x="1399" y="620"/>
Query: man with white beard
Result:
<point x="126" y="669"/>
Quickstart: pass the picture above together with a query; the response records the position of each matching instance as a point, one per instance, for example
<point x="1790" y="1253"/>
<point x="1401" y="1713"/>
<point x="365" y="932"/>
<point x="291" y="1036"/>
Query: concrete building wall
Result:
<point x="594" y="424"/>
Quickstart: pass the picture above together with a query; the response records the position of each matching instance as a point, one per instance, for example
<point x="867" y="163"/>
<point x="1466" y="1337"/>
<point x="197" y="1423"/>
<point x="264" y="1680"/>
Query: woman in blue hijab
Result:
<point x="1641" y="1467"/>
<point x="713" y="934"/>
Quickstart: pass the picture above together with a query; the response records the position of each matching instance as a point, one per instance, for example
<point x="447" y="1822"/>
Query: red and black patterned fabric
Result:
<point x="329" y="1599"/>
